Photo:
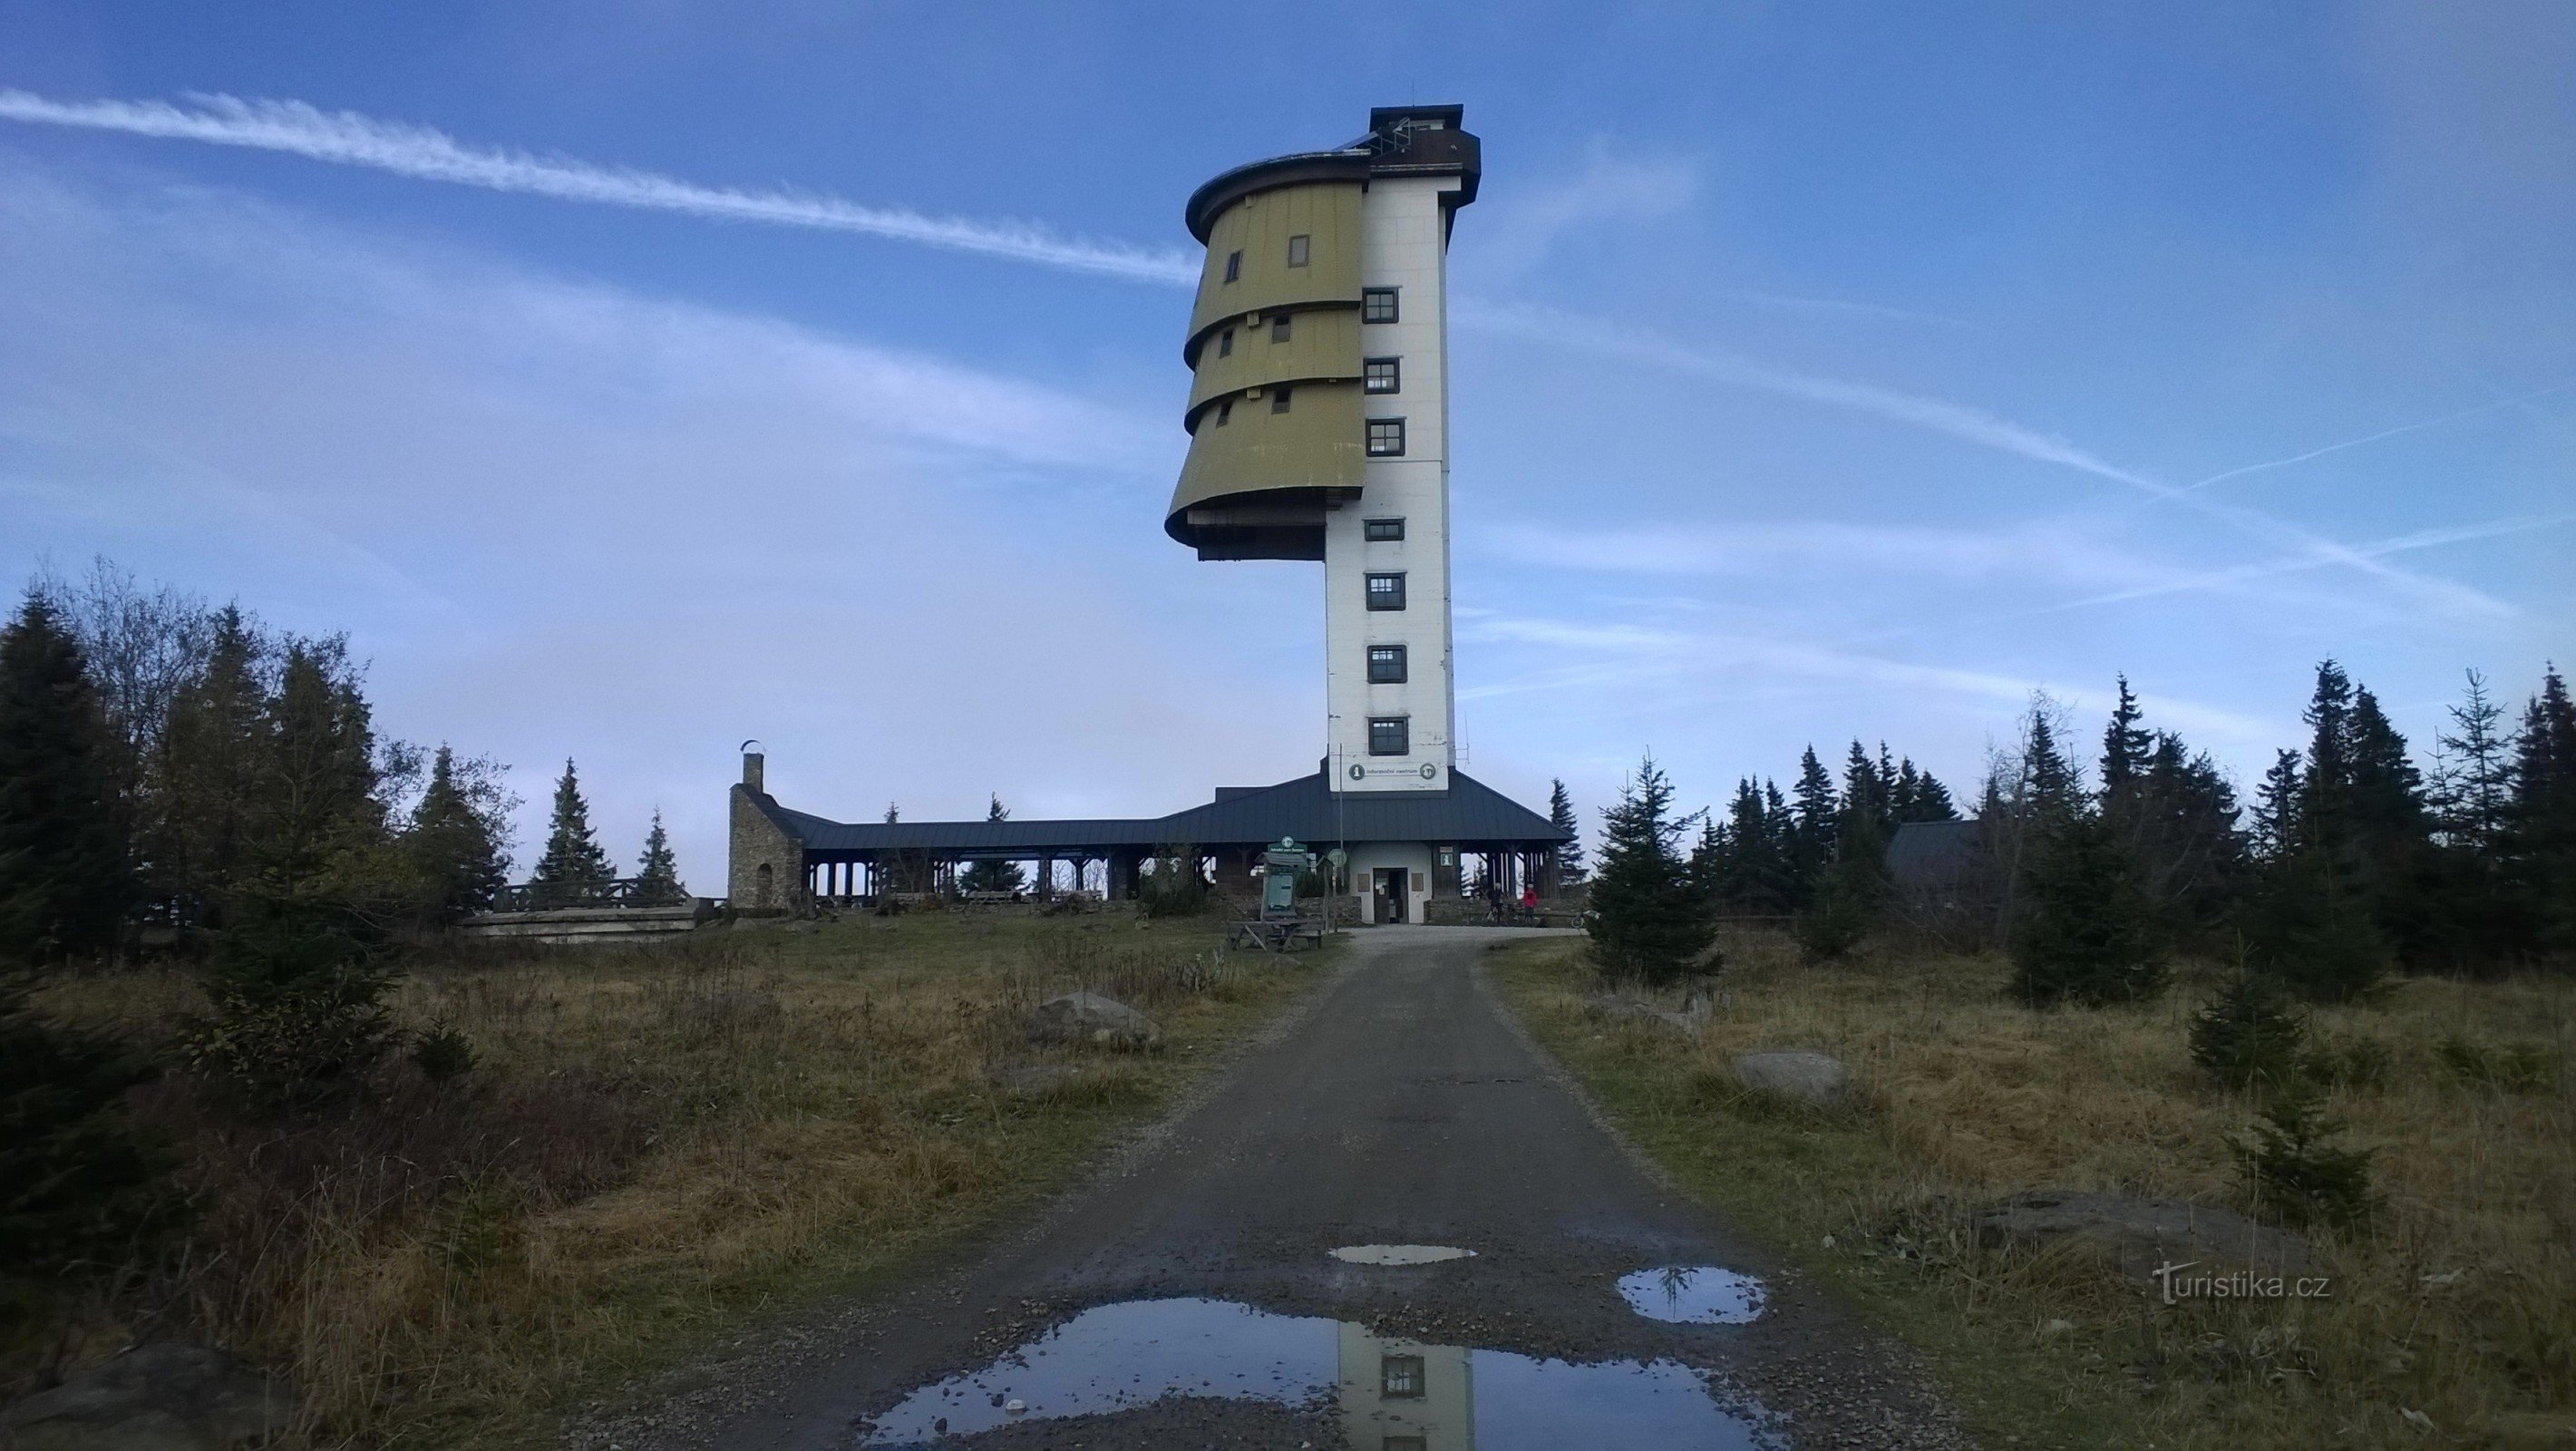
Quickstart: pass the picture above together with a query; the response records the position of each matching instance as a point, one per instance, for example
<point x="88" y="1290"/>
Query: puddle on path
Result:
<point x="1388" y="1391"/>
<point x="1400" y="1254"/>
<point x="1693" y="1295"/>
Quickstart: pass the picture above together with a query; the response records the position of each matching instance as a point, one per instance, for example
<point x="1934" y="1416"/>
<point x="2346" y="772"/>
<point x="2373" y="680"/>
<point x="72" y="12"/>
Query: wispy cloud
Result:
<point x="1960" y="421"/>
<point x="350" y="139"/>
<point x="1815" y="548"/>
<point x="1608" y="188"/>
<point x="1641" y="652"/>
<point x="2301" y="563"/>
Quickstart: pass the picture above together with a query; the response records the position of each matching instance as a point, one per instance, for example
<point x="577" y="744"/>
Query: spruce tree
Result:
<point x="2088" y="932"/>
<point x="298" y="976"/>
<point x="64" y="876"/>
<point x="2479" y="782"/>
<point x="1811" y="844"/>
<point x="2538" y="840"/>
<point x="2307" y="924"/>
<point x="1753" y="877"/>
<point x="2049" y="790"/>
<point x="993" y="876"/>
<point x="454" y="845"/>
<point x="1560" y="814"/>
<point x="574" y="868"/>
<point x="1647" y="920"/>
<point x="2276" y="807"/>
<point x="214" y="750"/>
<point x="2125" y="749"/>
<point x="83" y="1190"/>
<point x="657" y="872"/>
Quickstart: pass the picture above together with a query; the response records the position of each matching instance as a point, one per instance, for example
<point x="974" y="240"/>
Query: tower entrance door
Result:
<point x="1387" y="900"/>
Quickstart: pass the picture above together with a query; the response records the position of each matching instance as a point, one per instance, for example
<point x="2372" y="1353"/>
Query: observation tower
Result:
<point x="1319" y="417"/>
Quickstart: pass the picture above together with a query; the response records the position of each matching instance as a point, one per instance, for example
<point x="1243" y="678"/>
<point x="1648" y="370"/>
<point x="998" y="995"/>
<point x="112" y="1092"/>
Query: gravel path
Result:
<point x="1402" y="1106"/>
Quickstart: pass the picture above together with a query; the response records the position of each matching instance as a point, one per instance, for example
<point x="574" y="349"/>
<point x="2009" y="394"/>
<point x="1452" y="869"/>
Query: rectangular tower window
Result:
<point x="1278" y="400"/>
<point x="1225" y="343"/>
<point x="1225" y="413"/>
<point x="1233" y="266"/>
<point x="1386" y="438"/>
<point x="1386" y="591"/>
<point x="1377" y="304"/>
<point x="1382" y="375"/>
<point x="1389" y="737"/>
<point x="1279" y="328"/>
<point x="1384" y="531"/>
<point x="1386" y="665"/>
<point x="1297" y="247"/>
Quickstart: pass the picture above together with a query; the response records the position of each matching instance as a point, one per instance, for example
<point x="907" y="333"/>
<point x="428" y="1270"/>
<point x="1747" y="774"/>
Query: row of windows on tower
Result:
<point x="1377" y="375"/>
<point x="1385" y="435"/>
<point x="1377" y="304"/>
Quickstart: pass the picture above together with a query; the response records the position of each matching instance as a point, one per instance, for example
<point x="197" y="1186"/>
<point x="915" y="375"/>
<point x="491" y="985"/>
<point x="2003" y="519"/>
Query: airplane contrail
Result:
<point x="2416" y="427"/>
<point x="350" y="139"/>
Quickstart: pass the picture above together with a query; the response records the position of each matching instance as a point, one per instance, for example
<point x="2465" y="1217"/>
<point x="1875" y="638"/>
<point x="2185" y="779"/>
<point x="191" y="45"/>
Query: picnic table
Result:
<point x="1277" y="934"/>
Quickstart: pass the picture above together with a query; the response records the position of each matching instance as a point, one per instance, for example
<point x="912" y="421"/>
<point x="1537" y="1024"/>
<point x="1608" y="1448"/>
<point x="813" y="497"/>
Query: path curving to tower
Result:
<point x="1192" y="1296"/>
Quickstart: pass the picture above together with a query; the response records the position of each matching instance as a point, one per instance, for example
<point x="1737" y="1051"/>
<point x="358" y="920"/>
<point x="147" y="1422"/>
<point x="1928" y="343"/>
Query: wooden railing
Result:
<point x="555" y="896"/>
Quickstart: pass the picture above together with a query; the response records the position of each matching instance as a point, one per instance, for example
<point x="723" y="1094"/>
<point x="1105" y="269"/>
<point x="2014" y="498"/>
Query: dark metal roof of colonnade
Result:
<point x="1468" y="814"/>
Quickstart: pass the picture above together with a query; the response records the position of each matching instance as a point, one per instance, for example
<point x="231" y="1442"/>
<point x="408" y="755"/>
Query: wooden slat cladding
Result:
<point x="1327" y="213"/>
<point x="1323" y="344"/>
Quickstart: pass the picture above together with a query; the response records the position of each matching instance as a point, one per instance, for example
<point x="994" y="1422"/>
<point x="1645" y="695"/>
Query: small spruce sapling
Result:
<point x="2249" y="1035"/>
<point x="2294" y="1170"/>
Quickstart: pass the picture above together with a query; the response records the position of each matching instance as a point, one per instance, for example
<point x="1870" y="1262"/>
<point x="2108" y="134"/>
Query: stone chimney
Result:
<point x="752" y="773"/>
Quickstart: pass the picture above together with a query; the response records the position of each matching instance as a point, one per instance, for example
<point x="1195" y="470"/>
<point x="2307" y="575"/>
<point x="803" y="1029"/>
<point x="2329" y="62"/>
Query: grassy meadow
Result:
<point x="654" y="1146"/>
<point x="2452" y="1320"/>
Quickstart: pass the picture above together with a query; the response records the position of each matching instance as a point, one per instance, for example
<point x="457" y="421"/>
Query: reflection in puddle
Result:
<point x="1693" y="1295"/>
<point x="1400" y="1254"/>
<point x="1390" y="1392"/>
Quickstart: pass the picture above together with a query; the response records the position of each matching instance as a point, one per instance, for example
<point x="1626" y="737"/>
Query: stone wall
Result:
<point x="765" y="867"/>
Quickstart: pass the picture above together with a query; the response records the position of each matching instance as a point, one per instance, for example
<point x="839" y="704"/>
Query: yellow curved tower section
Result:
<point x="1277" y="416"/>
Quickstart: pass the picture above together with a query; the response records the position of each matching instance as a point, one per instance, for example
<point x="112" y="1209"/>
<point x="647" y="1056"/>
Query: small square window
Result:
<point x="1279" y="328"/>
<point x="1233" y="266"/>
<point x="1386" y="438"/>
<point x="1278" y="400"/>
<point x="1297" y="249"/>
<point x="1386" y="664"/>
<point x="1386" y="591"/>
<point x="1382" y="375"/>
<point x="1389" y="736"/>
<point x="1377" y="304"/>
<point x="1225" y="343"/>
<point x="1383" y="531"/>
<point x="1225" y="413"/>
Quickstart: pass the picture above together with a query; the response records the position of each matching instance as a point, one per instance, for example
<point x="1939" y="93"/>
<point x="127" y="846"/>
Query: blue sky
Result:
<point x="1821" y="370"/>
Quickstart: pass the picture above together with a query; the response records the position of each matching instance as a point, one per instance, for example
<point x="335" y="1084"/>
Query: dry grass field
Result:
<point x="2452" y="1319"/>
<point x="655" y="1145"/>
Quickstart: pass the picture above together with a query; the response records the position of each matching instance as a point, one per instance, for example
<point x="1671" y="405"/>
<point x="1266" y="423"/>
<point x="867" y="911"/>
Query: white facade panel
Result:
<point x="1403" y="246"/>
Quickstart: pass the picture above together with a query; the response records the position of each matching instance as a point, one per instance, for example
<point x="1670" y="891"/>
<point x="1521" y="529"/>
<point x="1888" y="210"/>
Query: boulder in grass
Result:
<point x="2138" y="1235"/>
<point x="1087" y="1017"/>
<point x="166" y="1397"/>
<point x="1799" y="1076"/>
